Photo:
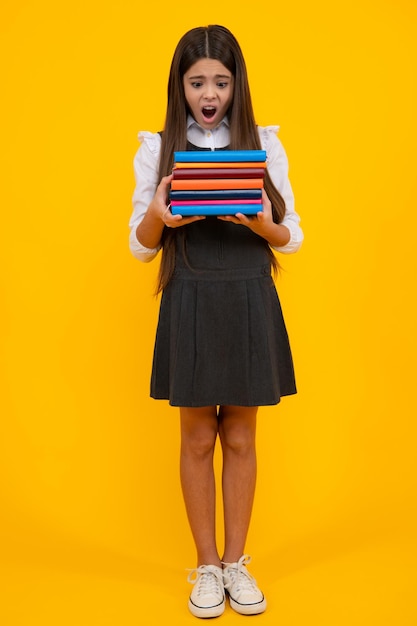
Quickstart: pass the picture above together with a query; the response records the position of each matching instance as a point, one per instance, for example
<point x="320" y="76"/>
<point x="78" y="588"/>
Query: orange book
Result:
<point x="218" y="183"/>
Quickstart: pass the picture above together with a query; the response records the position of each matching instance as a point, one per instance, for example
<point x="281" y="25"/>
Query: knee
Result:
<point x="199" y="443"/>
<point x="238" y="440"/>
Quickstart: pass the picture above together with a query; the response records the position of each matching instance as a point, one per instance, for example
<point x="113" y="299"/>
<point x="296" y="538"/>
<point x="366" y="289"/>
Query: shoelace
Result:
<point x="239" y="578"/>
<point x="208" y="581"/>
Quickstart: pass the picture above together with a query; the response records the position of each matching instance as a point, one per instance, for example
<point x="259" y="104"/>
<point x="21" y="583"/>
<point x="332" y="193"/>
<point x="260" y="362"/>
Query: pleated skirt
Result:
<point x="221" y="339"/>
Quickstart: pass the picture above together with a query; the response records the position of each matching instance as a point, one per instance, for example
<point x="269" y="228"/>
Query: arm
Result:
<point x="278" y="170"/>
<point x="277" y="235"/>
<point x="158" y="215"/>
<point x="287" y="236"/>
<point x="151" y="213"/>
<point x="150" y="228"/>
<point x="145" y="167"/>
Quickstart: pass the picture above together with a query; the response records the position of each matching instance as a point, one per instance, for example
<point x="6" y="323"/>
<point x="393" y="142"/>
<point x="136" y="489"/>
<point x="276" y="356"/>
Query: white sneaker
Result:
<point x="207" y="598"/>
<point x="245" y="597"/>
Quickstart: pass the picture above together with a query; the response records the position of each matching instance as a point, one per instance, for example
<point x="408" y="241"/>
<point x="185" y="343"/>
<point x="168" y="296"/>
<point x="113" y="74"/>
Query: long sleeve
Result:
<point x="278" y="169"/>
<point x="145" y="165"/>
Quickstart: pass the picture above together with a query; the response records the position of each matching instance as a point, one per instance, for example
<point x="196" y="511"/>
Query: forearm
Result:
<point x="149" y="231"/>
<point x="158" y="215"/>
<point x="277" y="235"/>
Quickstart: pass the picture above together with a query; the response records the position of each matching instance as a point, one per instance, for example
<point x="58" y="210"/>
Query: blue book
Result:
<point x="220" y="156"/>
<point x="215" y="194"/>
<point x="216" y="209"/>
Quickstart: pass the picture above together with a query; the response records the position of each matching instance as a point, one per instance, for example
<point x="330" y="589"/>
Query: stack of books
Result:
<point x="219" y="182"/>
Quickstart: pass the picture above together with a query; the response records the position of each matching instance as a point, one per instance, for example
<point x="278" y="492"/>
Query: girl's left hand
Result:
<point x="260" y="223"/>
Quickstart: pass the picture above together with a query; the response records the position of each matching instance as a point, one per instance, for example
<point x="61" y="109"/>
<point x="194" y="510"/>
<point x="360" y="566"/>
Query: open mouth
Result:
<point x="209" y="112"/>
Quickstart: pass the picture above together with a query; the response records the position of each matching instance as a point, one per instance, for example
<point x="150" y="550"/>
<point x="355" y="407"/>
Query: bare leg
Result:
<point x="199" y="429"/>
<point x="237" y="428"/>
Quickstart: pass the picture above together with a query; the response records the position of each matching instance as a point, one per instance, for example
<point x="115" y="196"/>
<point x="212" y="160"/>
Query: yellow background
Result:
<point x="92" y="522"/>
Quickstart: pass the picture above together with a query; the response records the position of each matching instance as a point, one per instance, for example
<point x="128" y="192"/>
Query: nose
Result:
<point x="210" y="92"/>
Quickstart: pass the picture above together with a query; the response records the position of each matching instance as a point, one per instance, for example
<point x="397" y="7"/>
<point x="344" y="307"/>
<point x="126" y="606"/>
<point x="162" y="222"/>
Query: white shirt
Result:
<point x="146" y="164"/>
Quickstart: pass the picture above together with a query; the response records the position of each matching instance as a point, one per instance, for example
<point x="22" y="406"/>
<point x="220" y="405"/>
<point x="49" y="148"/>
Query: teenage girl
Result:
<point x="221" y="347"/>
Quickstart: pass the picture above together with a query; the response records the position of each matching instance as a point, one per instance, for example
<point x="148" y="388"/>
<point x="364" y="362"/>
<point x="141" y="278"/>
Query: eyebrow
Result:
<point x="216" y="76"/>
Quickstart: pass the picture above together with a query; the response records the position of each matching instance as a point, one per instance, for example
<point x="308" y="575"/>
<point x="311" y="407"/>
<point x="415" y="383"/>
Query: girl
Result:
<point x="221" y="347"/>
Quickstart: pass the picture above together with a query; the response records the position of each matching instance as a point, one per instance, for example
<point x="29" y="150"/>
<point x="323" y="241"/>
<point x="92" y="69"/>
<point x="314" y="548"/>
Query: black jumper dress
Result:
<point x="221" y="337"/>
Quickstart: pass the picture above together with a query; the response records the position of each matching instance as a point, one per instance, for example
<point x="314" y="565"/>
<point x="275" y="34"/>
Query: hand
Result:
<point x="164" y="211"/>
<point x="260" y="223"/>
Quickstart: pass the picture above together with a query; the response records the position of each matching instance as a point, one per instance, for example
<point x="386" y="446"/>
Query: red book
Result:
<point x="218" y="172"/>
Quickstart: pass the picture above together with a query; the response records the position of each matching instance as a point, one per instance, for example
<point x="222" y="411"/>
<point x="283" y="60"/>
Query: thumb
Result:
<point x="165" y="180"/>
<point x="163" y="187"/>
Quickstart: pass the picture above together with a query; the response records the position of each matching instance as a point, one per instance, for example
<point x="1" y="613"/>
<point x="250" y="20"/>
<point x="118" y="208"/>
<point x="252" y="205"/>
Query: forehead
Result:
<point x="207" y="68"/>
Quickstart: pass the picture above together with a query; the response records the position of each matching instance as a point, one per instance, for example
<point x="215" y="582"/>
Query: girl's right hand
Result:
<point x="164" y="211"/>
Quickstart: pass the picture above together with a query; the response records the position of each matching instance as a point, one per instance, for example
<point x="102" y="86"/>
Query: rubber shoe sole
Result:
<point x="248" y="609"/>
<point x="207" y="612"/>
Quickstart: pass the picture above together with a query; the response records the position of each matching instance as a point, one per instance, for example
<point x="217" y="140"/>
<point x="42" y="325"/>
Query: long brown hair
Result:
<point x="218" y="43"/>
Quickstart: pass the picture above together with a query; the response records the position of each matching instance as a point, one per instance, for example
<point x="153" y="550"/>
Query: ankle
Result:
<point x="209" y="559"/>
<point x="231" y="557"/>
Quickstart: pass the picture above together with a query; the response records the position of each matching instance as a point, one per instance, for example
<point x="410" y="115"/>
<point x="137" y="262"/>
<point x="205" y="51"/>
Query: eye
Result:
<point x="222" y="85"/>
<point x="196" y="84"/>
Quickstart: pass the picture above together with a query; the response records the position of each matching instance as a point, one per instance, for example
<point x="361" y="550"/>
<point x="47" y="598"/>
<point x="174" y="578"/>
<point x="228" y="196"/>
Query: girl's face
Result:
<point x="208" y="88"/>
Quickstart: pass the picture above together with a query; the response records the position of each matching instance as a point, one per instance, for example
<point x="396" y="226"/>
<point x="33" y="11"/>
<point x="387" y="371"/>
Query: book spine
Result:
<point x="190" y="156"/>
<point x="218" y="209"/>
<point x="213" y="183"/>
<point x="217" y="172"/>
<point x="214" y="202"/>
<point x="216" y="194"/>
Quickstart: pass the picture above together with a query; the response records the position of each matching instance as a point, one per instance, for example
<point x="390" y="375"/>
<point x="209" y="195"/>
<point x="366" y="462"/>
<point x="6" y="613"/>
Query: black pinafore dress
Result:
<point x="221" y="337"/>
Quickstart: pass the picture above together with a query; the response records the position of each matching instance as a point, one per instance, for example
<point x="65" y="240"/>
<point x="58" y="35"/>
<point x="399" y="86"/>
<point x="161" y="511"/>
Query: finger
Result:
<point x="228" y="218"/>
<point x="189" y="219"/>
<point x="163" y="187"/>
<point x="243" y="219"/>
<point x="195" y="218"/>
<point x="174" y="221"/>
<point x="184" y="220"/>
<point x="167" y="213"/>
<point x="265" y="199"/>
<point x="166" y="179"/>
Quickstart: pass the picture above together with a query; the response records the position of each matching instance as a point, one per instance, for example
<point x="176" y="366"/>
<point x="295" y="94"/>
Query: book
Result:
<point x="216" y="194"/>
<point x="215" y="183"/>
<point x="215" y="156"/>
<point x="218" y="172"/>
<point x="214" y="202"/>
<point x="216" y="209"/>
<point x="220" y="182"/>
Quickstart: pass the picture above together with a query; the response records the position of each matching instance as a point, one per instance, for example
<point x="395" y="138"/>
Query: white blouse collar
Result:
<point x="191" y="122"/>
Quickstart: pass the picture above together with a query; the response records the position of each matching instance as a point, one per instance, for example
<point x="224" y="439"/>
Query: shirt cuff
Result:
<point x="140" y="252"/>
<point x="294" y="244"/>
